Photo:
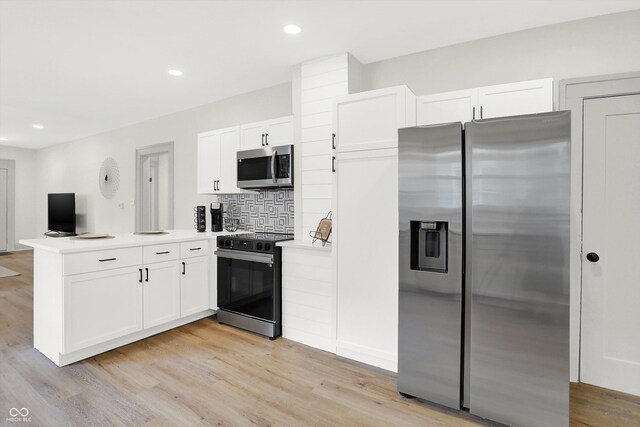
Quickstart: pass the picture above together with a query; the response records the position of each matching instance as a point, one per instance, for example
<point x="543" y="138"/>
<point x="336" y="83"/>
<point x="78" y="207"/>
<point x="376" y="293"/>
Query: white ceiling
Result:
<point x="83" y="67"/>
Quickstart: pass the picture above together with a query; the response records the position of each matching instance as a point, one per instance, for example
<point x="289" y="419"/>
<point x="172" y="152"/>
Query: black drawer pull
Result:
<point x="107" y="259"/>
<point x="140" y="270"/>
<point x="163" y="253"/>
<point x="146" y="271"/>
<point x="184" y="266"/>
<point x="195" y="249"/>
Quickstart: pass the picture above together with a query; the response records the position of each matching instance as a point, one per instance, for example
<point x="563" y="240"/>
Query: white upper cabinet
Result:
<point x="457" y="106"/>
<point x="512" y="99"/>
<point x="270" y="133"/>
<point x="370" y="120"/>
<point x="217" y="163"/>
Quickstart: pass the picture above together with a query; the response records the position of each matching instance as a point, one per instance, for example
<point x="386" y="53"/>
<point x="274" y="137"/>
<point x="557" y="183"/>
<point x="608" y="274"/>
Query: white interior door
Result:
<point x="4" y="208"/>
<point x="610" y="334"/>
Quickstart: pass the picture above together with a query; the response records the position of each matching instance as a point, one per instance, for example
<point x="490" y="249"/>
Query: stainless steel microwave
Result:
<point x="268" y="167"/>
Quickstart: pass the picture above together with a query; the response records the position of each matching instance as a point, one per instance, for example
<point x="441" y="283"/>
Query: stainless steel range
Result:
<point x="250" y="282"/>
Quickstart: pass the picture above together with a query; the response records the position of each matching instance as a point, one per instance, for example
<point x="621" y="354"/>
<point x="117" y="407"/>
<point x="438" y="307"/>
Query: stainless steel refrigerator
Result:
<point x="484" y="267"/>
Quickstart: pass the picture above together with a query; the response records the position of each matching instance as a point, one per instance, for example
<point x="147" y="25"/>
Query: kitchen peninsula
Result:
<point x="94" y="295"/>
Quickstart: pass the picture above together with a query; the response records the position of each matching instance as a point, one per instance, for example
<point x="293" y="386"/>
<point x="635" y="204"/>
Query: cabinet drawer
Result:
<point x="87" y="262"/>
<point x="194" y="249"/>
<point x="159" y="253"/>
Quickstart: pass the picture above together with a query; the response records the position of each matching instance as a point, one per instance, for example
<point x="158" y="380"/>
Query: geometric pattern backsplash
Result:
<point x="269" y="211"/>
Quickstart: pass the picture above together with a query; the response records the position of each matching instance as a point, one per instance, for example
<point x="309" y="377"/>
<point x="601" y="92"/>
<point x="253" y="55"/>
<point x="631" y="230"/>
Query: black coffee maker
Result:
<point x="216" y="217"/>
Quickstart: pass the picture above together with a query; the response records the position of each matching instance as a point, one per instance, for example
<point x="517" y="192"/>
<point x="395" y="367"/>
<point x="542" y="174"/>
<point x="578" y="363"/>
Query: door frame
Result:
<point x="10" y="165"/>
<point x="166" y="147"/>
<point x="572" y="94"/>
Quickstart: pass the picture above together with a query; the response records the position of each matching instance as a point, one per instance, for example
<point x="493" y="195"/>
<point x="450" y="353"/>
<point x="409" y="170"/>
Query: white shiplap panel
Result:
<point x="317" y="177"/>
<point x="328" y="78"/>
<point x="310" y="258"/>
<point x="315" y="107"/>
<point x="317" y="133"/>
<point x="309" y="286"/>
<point x="318" y="148"/>
<point x="326" y="92"/>
<point x="324" y="65"/>
<point x="308" y="306"/>
<point x="316" y="119"/>
<point x="306" y="272"/>
<point x="312" y="340"/>
<point x="317" y="191"/>
<point x="316" y="205"/>
<point x="316" y="162"/>
<point x="310" y="326"/>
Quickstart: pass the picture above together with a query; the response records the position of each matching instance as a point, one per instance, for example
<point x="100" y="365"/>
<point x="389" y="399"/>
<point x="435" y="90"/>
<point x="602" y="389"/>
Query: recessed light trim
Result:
<point x="175" y="73"/>
<point x="4" y="139"/>
<point x="292" y="29"/>
<point x="37" y="126"/>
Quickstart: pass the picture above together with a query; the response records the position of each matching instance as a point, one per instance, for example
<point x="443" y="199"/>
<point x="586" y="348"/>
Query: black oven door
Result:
<point x="246" y="283"/>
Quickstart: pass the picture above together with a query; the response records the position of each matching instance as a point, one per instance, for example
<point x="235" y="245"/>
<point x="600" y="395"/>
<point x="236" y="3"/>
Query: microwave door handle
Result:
<point x="273" y="166"/>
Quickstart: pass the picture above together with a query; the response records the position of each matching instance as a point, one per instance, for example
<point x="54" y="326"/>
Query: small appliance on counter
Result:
<point x="200" y="219"/>
<point x="216" y="217"/>
<point x="250" y="282"/>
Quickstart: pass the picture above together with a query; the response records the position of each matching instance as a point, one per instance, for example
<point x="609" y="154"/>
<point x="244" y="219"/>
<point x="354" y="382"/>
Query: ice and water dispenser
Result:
<point x="429" y="246"/>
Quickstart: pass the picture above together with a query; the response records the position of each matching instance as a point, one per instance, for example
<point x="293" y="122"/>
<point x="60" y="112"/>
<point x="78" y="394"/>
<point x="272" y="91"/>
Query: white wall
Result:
<point x="73" y="166"/>
<point x="595" y="46"/>
<point x="26" y="184"/>
<point x="600" y="45"/>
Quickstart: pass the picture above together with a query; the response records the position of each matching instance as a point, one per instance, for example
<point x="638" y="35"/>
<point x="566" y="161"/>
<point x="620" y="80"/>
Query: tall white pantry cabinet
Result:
<point x="366" y="222"/>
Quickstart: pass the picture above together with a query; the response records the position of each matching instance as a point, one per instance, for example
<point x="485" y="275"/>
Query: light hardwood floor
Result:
<point x="209" y="374"/>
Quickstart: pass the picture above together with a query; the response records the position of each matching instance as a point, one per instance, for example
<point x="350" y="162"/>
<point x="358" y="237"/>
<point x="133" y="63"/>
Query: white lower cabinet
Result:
<point x="161" y="294"/>
<point x="101" y="306"/>
<point x="194" y="285"/>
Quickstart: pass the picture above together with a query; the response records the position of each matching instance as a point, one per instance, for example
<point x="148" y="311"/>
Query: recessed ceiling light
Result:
<point x="292" y="29"/>
<point x="4" y="139"/>
<point x="176" y="73"/>
<point x="37" y="126"/>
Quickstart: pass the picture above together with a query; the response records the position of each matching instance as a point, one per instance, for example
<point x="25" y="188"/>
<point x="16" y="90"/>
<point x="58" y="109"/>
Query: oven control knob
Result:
<point x="259" y="246"/>
<point x="267" y="246"/>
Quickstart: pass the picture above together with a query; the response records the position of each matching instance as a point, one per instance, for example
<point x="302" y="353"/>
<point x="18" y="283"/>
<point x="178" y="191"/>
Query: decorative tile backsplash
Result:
<point x="270" y="211"/>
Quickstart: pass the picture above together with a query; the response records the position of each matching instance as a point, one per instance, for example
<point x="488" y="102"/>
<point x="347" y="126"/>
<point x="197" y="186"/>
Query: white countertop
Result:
<point x="305" y="244"/>
<point x="64" y="245"/>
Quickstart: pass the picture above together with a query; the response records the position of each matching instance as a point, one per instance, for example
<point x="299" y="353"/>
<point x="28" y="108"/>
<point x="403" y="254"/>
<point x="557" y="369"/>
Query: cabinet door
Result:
<point x="101" y="306"/>
<point x="370" y="120"/>
<point x="457" y="106"/>
<point x="161" y="293"/>
<point x="280" y="131"/>
<point x="514" y="99"/>
<point x="194" y="286"/>
<point x="229" y="146"/>
<point x="208" y="162"/>
<point x="366" y="251"/>
<point x="252" y="135"/>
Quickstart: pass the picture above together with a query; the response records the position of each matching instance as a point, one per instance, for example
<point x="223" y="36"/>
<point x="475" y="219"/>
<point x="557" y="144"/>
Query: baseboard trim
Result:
<point x="370" y="356"/>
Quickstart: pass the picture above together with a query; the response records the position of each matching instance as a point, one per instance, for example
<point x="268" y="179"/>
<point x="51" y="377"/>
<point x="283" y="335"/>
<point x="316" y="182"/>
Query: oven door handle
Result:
<point x="245" y="256"/>
<point x="273" y="166"/>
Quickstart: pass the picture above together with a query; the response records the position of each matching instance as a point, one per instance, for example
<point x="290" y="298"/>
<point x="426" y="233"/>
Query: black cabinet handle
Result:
<point x="481" y="111"/>
<point x="473" y="114"/>
<point x="263" y="139"/>
<point x="195" y="249"/>
<point x="140" y="270"/>
<point x="163" y="253"/>
<point x="593" y="257"/>
<point x="266" y="139"/>
<point x="147" y="271"/>
<point x="333" y="141"/>
<point x="184" y="267"/>
<point x="107" y="259"/>
<point x="333" y="163"/>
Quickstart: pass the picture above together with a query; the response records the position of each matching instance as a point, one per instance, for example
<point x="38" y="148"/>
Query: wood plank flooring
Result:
<point x="209" y="374"/>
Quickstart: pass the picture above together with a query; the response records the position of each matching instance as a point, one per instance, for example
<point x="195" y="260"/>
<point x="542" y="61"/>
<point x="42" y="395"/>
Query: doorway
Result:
<point x="604" y="349"/>
<point x="154" y="187"/>
<point x="610" y="339"/>
<point x="7" y="205"/>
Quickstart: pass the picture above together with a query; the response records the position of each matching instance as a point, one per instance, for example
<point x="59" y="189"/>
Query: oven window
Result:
<point x="246" y="287"/>
<point x="253" y="169"/>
